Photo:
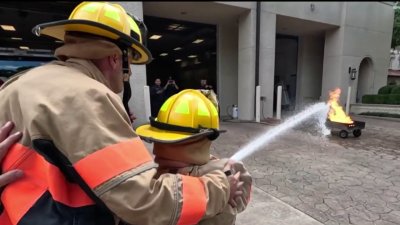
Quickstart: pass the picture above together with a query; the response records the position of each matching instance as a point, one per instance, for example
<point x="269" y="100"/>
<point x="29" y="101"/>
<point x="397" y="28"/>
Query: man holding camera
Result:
<point x="170" y="88"/>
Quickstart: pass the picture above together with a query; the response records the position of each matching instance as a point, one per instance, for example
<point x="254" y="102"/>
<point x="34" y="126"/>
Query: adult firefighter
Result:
<point x="82" y="162"/>
<point x="182" y="134"/>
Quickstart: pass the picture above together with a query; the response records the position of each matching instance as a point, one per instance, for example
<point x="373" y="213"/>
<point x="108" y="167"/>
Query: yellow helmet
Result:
<point x="103" y="19"/>
<point x="185" y="115"/>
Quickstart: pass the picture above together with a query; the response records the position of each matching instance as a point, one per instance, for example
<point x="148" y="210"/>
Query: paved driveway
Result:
<point x="333" y="180"/>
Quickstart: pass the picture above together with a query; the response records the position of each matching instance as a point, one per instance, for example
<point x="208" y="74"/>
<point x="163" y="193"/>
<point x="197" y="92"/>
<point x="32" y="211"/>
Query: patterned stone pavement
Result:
<point x="335" y="181"/>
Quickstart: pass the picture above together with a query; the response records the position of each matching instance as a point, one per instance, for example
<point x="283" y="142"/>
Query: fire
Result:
<point x="336" y="113"/>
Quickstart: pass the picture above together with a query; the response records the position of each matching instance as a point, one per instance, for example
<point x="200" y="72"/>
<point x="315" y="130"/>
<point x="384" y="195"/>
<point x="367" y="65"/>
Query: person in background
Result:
<point x="170" y="88"/>
<point x="182" y="135"/>
<point x="126" y="97"/>
<point x="204" y="85"/>
<point x="156" y="96"/>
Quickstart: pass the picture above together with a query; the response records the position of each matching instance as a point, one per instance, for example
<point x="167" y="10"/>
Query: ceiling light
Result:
<point x="58" y="41"/>
<point x="24" y="47"/>
<point x="177" y="48"/>
<point x="198" y="41"/>
<point x="8" y="27"/>
<point x="173" y="26"/>
<point x="163" y="54"/>
<point x="16" y="38"/>
<point x="155" y="37"/>
<point x="192" y="56"/>
<point x="178" y="60"/>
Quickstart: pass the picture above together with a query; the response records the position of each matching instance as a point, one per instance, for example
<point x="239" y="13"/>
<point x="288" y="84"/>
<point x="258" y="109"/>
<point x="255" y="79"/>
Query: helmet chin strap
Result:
<point x="125" y="61"/>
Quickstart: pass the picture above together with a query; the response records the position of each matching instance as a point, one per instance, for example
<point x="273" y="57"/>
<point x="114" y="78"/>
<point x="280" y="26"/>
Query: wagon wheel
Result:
<point x="343" y="134"/>
<point x="357" y="133"/>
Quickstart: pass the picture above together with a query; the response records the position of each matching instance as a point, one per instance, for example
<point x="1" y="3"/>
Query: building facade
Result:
<point x="309" y="47"/>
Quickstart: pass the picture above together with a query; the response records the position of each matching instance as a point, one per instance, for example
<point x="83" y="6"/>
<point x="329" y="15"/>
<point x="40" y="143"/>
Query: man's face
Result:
<point x="117" y="78"/>
<point x="157" y="82"/>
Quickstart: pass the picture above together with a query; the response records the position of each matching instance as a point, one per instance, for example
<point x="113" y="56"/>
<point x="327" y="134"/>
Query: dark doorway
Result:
<point x="186" y="52"/>
<point x="286" y="50"/>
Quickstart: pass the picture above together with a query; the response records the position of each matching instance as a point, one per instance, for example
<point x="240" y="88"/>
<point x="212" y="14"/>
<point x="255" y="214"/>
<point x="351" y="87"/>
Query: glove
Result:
<point x="219" y="164"/>
<point x="245" y="177"/>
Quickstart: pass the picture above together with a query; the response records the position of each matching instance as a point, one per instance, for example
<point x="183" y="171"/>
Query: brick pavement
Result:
<point x="333" y="180"/>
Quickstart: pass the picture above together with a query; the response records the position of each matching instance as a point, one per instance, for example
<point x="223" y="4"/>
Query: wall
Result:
<point x="138" y="78"/>
<point x="376" y="108"/>
<point x="267" y="60"/>
<point x="325" y="12"/>
<point x="368" y="33"/>
<point x="227" y="65"/>
<point x="246" y="68"/>
<point x="310" y="62"/>
<point x="366" y="30"/>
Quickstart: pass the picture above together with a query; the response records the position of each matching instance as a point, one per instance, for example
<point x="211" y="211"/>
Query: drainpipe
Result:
<point x="257" y="69"/>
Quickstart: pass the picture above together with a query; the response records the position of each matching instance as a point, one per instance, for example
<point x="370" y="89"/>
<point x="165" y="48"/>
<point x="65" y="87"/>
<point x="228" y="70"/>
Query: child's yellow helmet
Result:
<point x="185" y="115"/>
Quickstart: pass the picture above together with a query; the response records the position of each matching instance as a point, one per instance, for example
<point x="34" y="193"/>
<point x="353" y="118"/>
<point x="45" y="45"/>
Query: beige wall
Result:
<point x="309" y="71"/>
<point x="366" y="31"/>
<point x="227" y="65"/>
<point x="324" y="12"/>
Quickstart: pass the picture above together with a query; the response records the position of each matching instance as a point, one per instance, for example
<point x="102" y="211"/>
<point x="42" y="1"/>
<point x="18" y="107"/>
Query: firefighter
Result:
<point x="182" y="134"/>
<point x="82" y="161"/>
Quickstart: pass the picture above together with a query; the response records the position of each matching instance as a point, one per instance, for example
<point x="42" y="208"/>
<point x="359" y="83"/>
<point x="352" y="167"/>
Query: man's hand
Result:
<point x="6" y="141"/>
<point x="236" y="186"/>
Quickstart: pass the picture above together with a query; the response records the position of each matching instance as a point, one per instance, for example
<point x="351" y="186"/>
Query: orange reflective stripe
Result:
<point x="111" y="161"/>
<point x="61" y="190"/>
<point x="194" y="201"/>
<point x="39" y="177"/>
<point x="18" y="197"/>
<point x="4" y="220"/>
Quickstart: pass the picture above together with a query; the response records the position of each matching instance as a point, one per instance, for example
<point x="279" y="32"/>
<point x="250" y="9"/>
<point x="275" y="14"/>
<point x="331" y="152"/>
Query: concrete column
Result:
<point x="227" y="66"/>
<point x="138" y="78"/>
<point x="333" y="58"/>
<point x="246" y="64"/>
<point x="309" y="69"/>
<point x="267" y="60"/>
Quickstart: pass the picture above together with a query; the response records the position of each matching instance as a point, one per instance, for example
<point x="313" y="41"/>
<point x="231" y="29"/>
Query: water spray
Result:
<point x="321" y="108"/>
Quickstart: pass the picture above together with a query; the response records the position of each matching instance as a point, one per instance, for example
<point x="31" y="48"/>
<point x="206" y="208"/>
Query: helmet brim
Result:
<point x="57" y="30"/>
<point x="152" y="134"/>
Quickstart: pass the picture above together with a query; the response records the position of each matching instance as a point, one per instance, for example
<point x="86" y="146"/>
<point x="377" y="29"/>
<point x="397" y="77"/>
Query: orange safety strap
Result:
<point x="194" y="201"/>
<point x="39" y="177"/>
<point x="104" y="164"/>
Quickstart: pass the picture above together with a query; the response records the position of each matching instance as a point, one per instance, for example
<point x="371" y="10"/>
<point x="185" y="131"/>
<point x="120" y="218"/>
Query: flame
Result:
<point x="336" y="113"/>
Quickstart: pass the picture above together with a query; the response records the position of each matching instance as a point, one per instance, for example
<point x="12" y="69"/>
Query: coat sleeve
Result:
<point x="94" y="132"/>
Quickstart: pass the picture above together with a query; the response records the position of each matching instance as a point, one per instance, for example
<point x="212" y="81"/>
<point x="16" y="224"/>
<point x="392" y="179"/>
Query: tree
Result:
<point x="396" y="26"/>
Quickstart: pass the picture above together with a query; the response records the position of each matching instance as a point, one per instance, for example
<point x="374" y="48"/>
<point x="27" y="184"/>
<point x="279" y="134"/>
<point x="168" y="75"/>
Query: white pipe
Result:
<point x="348" y="100"/>
<point x="258" y="99"/>
<point x="147" y="106"/>
<point x="279" y="103"/>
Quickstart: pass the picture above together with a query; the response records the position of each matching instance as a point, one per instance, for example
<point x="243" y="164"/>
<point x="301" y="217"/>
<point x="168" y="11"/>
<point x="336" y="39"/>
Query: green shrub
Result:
<point x="385" y="90"/>
<point x="381" y="99"/>
<point x="392" y="99"/>
<point x="373" y="99"/>
<point x="395" y="90"/>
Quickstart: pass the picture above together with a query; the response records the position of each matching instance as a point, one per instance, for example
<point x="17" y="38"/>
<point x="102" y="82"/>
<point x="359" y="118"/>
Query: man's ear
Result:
<point x="113" y="60"/>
